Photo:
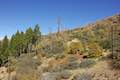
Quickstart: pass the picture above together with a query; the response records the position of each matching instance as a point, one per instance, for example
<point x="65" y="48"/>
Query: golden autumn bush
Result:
<point x="74" y="46"/>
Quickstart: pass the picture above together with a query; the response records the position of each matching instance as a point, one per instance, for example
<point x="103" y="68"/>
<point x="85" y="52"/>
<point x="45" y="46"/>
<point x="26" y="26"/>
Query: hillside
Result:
<point x="100" y="31"/>
<point x="83" y="53"/>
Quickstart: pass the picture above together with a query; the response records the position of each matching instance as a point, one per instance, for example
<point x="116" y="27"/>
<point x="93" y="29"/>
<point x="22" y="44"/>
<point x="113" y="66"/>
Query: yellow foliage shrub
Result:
<point x="74" y="46"/>
<point x="94" y="50"/>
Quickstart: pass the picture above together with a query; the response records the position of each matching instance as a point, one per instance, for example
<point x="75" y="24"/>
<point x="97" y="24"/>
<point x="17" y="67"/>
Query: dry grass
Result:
<point x="58" y="69"/>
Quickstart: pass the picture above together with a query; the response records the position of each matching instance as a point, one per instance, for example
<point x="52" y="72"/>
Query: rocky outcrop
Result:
<point x="4" y="75"/>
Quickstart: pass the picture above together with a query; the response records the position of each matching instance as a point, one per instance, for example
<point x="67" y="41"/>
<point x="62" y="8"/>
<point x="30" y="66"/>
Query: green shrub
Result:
<point x="115" y="64"/>
<point x="94" y="50"/>
<point x="87" y="63"/>
<point x="53" y="47"/>
<point x="12" y="64"/>
<point x="72" y="63"/>
<point x="27" y="68"/>
<point x="60" y="56"/>
<point x="61" y="75"/>
<point x="82" y="76"/>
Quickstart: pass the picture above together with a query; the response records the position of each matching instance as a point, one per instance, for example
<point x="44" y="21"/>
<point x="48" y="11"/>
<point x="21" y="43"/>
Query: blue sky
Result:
<point x="21" y="14"/>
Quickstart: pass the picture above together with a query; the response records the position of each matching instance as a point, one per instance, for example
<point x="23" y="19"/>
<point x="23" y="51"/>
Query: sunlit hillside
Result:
<point x="83" y="53"/>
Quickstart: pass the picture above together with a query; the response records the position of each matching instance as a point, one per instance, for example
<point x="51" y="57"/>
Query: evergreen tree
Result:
<point x="16" y="44"/>
<point x="12" y="45"/>
<point x="5" y="44"/>
<point x="4" y="50"/>
<point x="23" y="44"/>
<point x="37" y="33"/>
<point x="29" y="35"/>
<point x="0" y="46"/>
<point x="37" y="30"/>
<point x="0" y="52"/>
<point x="29" y="39"/>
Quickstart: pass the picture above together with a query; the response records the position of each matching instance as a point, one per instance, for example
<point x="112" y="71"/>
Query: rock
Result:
<point x="3" y="73"/>
<point x="63" y="75"/>
<point x="106" y="54"/>
<point x="13" y="76"/>
<point x="48" y="76"/>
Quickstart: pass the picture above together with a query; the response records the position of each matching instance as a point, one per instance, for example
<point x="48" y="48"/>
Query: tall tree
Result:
<point x="0" y="52"/>
<point x="5" y="44"/>
<point x="0" y="46"/>
<point x="23" y="44"/>
<point x="37" y="33"/>
<point x="16" y="43"/>
<point x="29" y="35"/>
<point x="29" y="39"/>
<point x="37" y="30"/>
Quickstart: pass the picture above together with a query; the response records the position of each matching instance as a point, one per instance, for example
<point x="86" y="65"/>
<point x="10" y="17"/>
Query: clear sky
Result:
<point x="21" y="14"/>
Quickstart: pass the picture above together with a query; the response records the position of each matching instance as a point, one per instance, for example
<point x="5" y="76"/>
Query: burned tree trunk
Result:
<point x="115" y="36"/>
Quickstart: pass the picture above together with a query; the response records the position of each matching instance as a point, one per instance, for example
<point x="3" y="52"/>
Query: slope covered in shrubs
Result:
<point x="77" y="54"/>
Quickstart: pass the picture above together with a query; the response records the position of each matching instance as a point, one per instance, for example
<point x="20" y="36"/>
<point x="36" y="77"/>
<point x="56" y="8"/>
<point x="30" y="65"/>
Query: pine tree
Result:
<point x="37" y="30"/>
<point x="29" y="39"/>
<point x="12" y="45"/>
<point x="5" y="44"/>
<point x="0" y="46"/>
<point x="16" y="44"/>
<point x="37" y="34"/>
<point x="4" y="50"/>
<point x="0" y="53"/>
<point x="23" y="44"/>
<point x="29" y="35"/>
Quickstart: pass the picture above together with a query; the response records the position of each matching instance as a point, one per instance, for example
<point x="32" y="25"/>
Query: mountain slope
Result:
<point x="98" y="32"/>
